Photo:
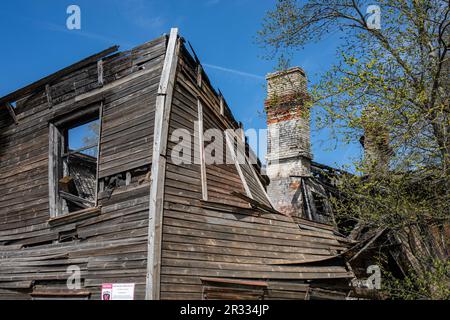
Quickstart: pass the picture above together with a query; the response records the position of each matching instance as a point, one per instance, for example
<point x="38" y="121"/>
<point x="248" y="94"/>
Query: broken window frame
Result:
<point x="58" y="142"/>
<point x="311" y="197"/>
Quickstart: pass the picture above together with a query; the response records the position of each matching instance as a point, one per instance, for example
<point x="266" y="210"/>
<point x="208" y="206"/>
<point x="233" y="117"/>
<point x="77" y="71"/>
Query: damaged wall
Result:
<point x="108" y="243"/>
<point x="174" y="231"/>
<point x="288" y="154"/>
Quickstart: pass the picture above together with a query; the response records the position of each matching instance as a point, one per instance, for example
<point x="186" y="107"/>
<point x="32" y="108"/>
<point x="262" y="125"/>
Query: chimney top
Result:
<point x="282" y="73"/>
<point x="285" y="83"/>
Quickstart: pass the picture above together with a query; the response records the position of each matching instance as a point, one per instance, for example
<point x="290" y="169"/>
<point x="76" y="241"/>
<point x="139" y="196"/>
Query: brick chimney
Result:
<point x="289" y="147"/>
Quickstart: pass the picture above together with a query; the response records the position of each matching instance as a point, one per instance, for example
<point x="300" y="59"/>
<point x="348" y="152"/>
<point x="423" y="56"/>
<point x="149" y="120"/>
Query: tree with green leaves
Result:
<point x="390" y="86"/>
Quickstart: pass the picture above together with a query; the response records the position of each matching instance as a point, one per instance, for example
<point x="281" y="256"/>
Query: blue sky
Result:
<point x="36" y="42"/>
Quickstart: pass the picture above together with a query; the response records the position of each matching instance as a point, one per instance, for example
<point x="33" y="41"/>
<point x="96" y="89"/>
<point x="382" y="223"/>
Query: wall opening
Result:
<point x="74" y="163"/>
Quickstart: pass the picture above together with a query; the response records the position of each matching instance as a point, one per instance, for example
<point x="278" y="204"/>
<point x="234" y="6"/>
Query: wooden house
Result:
<point x="135" y="214"/>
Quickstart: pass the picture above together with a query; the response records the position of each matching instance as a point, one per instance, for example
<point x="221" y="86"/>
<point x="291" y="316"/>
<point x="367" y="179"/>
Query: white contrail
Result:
<point x="237" y="72"/>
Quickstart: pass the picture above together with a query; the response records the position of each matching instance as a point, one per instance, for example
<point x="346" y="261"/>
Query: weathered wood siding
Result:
<point x="224" y="237"/>
<point x="109" y="246"/>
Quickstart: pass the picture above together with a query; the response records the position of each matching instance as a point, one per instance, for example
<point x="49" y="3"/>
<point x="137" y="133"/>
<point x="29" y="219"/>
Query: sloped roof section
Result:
<point x="235" y="233"/>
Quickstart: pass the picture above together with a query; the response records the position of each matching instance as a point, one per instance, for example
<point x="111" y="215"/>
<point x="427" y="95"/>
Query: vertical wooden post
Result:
<point x="222" y="106"/>
<point x="48" y="92"/>
<point x="229" y="137"/>
<point x="160" y="137"/>
<point x="201" y="143"/>
<point x="199" y="75"/>
<point x="53" y="155"/>
<point x="100" y="120"/>
<point x="100" y="72"/>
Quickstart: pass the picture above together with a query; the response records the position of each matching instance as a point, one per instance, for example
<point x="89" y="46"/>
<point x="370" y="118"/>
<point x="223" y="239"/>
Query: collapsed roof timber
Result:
<point x="128" y="213"/>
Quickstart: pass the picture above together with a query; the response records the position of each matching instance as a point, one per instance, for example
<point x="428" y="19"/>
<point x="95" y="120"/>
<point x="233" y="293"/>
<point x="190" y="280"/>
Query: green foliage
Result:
<point x="396" y="75"/>
<point x="432" y="284"/>
<point x="390" y="86"/>
<point x="393" y="201"/>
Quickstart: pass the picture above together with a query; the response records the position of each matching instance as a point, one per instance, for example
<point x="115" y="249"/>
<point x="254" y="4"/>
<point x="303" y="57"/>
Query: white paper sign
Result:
<point x="118" y="291"/>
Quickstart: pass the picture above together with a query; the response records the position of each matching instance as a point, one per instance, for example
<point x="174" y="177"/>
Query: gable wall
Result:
<point x="224" y="237"/>
<point x="109" y="246"/>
